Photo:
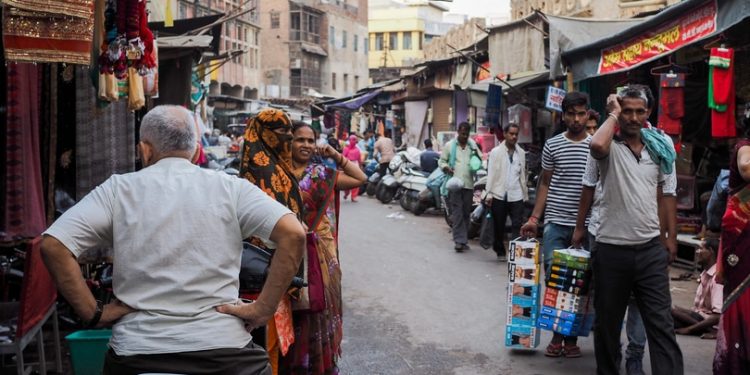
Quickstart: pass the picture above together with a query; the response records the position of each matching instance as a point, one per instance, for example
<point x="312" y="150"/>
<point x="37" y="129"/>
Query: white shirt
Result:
<point x="176" y="231"/>
<point x="504" y="176"/>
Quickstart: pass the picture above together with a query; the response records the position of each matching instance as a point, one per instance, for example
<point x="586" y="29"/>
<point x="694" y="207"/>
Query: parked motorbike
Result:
<point x="388" y="187"/>
<point x="411" y="183"/>
<point x="370" y="168"/>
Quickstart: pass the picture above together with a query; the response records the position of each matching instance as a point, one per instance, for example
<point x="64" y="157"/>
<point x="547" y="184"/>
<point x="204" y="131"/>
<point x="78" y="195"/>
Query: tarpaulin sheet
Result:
<point x="517" y="47"/>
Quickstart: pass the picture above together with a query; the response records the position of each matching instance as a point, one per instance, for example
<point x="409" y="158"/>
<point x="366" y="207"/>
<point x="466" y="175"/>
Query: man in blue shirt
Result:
<point x="428" y="159"/>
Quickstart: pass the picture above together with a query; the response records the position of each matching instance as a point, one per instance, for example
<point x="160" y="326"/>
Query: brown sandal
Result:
<point x="571" y="351"/>
<point x="554" y="350"/>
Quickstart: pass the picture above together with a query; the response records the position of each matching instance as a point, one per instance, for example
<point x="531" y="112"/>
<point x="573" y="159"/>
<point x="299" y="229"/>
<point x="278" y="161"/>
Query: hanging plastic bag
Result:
<point x="136" y="99"/>
<point x="487" y="231"/>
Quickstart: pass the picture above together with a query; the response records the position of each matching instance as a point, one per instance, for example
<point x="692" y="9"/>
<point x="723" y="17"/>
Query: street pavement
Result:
<point x="412" y="305"/>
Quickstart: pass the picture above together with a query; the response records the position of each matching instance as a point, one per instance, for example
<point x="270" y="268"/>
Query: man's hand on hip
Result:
<point x="112" y="312"/>
<point x="252" y="313"/>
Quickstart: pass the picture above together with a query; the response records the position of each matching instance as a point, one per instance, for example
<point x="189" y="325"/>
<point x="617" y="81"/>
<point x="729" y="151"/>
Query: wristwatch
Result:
<point x="97" y="316"/>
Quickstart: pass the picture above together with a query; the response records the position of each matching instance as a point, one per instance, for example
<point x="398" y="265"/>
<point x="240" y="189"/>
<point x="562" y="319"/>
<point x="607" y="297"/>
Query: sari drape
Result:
<point x="318" y="334"/>
<point x="733" y="340"/>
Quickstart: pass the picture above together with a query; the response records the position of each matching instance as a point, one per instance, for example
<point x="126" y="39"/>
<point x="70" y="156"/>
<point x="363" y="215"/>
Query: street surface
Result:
<point x="412" y="305"/>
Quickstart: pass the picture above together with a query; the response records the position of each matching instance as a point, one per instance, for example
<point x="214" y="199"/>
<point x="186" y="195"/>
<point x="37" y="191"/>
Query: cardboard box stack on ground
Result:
<point x="521" y="329"/>
<point x="566" y="306"/>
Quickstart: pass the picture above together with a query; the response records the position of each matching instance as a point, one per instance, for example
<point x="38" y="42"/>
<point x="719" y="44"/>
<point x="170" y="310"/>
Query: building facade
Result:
<point x="399" y="31"/>
<point x="604" y="9"/>
<point x="313" y="47"/>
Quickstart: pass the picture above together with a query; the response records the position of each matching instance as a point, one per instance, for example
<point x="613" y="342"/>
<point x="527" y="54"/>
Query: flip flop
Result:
<point x="571" y="351"/>
<point x="554" y="350"/>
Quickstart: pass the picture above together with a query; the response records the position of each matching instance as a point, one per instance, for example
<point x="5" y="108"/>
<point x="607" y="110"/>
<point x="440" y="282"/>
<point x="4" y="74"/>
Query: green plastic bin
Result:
<point x="87" y="350"/>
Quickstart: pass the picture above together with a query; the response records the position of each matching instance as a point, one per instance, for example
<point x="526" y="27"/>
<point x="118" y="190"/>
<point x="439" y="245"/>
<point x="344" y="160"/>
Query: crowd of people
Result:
<point x="609" y="189"/>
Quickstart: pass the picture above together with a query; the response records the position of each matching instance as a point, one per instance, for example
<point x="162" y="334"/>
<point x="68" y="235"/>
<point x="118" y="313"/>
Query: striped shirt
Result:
<point x="567" y="161"/>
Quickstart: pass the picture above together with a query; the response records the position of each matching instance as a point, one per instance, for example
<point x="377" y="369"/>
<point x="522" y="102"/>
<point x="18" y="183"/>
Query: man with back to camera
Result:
<point x="385" y="151"/>
<point x="176" y="231"/>
<point x="428" y="159"/>
<point x="636" y="239"/>
<point x="563" y="163"/>
<point x="506" y="189"/>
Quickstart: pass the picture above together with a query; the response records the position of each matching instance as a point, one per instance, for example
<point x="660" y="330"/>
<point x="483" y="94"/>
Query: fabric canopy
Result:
<point x="354" y="103"/>
<point x="585" y="60"/>
<point x="567" y="33"/>
<point x="518" y="81"/>
<point x="517" y="46"/>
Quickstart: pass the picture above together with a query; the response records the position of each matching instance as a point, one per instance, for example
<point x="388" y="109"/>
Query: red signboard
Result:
<point x="691" y="26"/>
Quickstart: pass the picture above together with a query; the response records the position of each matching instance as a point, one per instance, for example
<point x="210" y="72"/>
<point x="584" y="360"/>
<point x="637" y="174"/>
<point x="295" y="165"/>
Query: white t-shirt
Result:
<point x="176" y="231"/>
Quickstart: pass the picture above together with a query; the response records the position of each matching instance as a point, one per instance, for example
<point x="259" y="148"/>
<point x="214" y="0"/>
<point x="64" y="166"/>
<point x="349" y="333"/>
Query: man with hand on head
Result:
<point x="636" y="239"/>
<point x="176" y="232"/>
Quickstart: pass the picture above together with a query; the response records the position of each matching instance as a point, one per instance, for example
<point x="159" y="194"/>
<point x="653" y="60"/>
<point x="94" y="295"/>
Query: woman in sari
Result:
<point x="733" y="267"/>
<point x="318" y="327"/>
<point x="267" y="163"/>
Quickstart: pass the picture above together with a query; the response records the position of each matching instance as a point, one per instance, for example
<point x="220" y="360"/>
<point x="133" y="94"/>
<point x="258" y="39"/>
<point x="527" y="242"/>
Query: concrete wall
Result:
<point x="349" y="66"/>
<point x="275" y="44"/>
<point x="459" y="37"/>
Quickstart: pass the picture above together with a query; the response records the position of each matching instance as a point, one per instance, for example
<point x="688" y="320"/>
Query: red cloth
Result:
<point x="723" y="123"/>
<point x="671" y="103"/>
<point x="38" y="291"/>
<point x="24" y="215"/>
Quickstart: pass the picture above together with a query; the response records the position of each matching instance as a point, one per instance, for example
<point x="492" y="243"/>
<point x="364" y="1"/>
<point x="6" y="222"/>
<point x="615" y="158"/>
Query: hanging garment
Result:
<point x="24" y="215"/>
<point x="721" y="93"/>
<point x="671" y="103"/>
<point x="38" y="36"/>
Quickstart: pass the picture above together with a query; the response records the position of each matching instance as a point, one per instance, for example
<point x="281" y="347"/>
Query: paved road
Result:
<point x="414" y="306"/>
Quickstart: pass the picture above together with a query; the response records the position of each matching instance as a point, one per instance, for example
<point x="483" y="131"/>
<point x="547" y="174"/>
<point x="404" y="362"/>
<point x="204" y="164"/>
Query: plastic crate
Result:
<point x="87" y="350"/>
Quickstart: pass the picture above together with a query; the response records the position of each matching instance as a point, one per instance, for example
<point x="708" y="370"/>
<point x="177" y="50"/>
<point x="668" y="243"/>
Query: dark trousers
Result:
<point x="460" y="209"/>
<point x="383" y="169"/>
<point x="500" y="211"/>
<point x="643" y="271"/>
<point x="250" y="360"/>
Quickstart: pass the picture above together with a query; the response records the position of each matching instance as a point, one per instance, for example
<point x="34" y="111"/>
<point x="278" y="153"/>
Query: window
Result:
<point x="332" y="35"/>
<point x="313" y="28"/>
<point x="182" y="11"/>
<point x="275" y="20"/>
<point x="378" y="41"/>
<point x="367" y="45"/>
<point x="295" y="26"/>
<point x="356" y="83"/>
<point x="355" y="41"/>
<point x="392" y="41"/>
<point x="240" y="34"/>
<point x="346" y="82"/>
<point x="419" y="35"/>
<point x="333" y="81"/>
<point x="344" y="37"/>
<point x="406" y="43"/>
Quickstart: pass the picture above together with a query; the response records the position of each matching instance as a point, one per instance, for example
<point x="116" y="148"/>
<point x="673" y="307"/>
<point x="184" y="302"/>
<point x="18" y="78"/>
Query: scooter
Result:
<point x="411" y="183"/>
<point x="370" y="168"/>
<point x="388" y="187"/>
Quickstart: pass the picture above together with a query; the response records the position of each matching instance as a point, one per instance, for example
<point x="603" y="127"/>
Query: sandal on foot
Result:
<point x="571" y="351"/>
<point x="554" y="350"/>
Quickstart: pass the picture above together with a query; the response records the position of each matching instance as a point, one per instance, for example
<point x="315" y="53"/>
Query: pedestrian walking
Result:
<point x="563" y="164"/>
<point x="384" y="152"/>
<point x="506" y="189"/>
<point x="175" y="281"/>
<point x="636" y="237"/>
<point x="454" y="161"/>
<point x="733" y="266"/>
<point x="353" y="155"/>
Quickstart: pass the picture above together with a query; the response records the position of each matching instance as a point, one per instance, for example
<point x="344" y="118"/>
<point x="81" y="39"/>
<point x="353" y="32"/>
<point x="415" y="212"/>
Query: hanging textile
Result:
<point x="671" y="103"/>
<point x="24" y="215"/>
<point x="44" y="36"/>
<point x="721" y="93"/>
<point x="493" y="107"/>
<point x="73" y="8"/>
<point x="105" y="137"/>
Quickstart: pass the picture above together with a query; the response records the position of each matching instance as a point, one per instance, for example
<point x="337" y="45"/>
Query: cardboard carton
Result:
<point x="522" y="310"/>
<point x="521" y="337"/>
<point x="526" y="252"/>
<point x="527" y="274"/>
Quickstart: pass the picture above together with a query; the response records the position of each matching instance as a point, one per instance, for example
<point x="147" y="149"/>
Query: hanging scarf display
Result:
<point x="671" y="103"/>
<point x="128" y="49"/>
<point x="721" y="92"/>
<point x="39" y="31"/>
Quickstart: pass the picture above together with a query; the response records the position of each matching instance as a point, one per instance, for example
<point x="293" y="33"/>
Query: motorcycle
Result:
<point x="370" y="168"/>
<point x="388" y="187"/>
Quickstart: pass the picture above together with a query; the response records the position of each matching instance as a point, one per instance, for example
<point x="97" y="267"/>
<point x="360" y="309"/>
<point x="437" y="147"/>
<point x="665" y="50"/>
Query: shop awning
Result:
<point x="518" y="81"/>
<point x="314" y="49"/>
<point x="675" y="27"/>
<point x="355" y="103"/>
<point x="567" y="33"/>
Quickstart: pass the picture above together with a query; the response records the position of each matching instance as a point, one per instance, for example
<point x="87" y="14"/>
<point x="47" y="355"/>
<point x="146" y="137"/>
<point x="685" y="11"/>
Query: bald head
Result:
<point x="170" y="131"/>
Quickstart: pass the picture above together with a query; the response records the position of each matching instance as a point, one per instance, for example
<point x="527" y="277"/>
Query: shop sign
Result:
<point x="555" y="98"/>
<point x="668" y="37"/>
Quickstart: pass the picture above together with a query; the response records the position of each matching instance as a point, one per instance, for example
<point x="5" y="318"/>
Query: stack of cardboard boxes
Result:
<point x="567" y="308"/>
<point x="523" y="295"/>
